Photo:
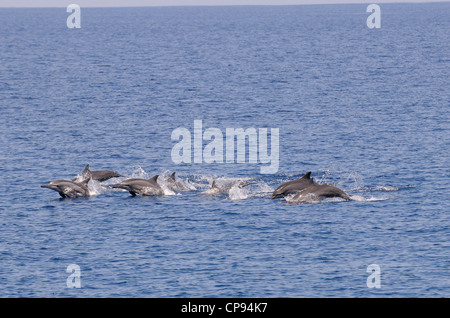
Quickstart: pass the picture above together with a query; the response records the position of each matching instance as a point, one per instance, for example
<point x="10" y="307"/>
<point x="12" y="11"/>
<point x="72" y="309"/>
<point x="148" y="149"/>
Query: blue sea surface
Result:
<point x="364" y="109"/>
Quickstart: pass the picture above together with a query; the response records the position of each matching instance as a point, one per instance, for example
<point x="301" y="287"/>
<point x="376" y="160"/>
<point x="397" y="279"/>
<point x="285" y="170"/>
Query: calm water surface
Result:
<point x="364" y="109"/>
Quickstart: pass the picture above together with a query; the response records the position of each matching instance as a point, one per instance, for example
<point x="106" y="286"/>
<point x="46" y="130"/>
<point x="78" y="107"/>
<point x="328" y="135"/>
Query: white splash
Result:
<point x="96" y="188"/>
<point x="236" y="193"/>
<point x="139" y="173"/>
<point x="234" y="188"/>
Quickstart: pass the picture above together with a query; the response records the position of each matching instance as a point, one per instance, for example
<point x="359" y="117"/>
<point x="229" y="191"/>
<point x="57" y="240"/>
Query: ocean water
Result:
<point x="364" y="109"/>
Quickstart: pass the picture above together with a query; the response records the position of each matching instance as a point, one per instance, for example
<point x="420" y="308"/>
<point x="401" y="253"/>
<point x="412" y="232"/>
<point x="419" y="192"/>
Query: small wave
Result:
<point x="363" y="199"/>
<point x="376" y="188"/>
<point x="385" y="188"/>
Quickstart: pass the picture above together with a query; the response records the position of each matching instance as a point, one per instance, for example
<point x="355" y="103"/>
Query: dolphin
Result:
<point x="174" y="185"/>
<point x="141" y="186"/>
<point x="99" y="175"/>
<point x="293" y="186"/>
<point x="67" y="188"/>
<point x="319" y="192"/>
<point x="225" y="188"/>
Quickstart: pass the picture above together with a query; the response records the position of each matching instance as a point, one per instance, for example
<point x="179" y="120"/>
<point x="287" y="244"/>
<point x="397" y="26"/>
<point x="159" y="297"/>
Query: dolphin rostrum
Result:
<point x="99" y="175"/>
<point x="293" y="186"/>
<point x="71" y="189"/>
<point x="141" y="186"/>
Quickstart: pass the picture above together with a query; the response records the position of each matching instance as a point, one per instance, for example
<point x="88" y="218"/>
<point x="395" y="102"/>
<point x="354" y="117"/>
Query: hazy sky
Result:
<point x="132" y="3"/>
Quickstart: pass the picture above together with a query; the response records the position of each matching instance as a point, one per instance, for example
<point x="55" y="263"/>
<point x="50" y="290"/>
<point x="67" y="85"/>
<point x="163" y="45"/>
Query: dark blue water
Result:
<point x="364" y="109"/>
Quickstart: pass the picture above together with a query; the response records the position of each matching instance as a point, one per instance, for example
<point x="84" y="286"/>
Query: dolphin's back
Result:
<point x="321" y="192"/>
<point x="293" y="186"/>
<point x="98" y="175"/>
<point x="141" y="186"/>
<point x="103" y="175"/>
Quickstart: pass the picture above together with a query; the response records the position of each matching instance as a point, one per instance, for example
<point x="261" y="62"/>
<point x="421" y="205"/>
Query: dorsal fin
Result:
<point x="154" y="178"/>
<point x="307" y="176"/>
<point x="172" y="176"/>
<point x="213" y="184"/>
<point x="86" y="169"/>
<point x="85" y="175"/>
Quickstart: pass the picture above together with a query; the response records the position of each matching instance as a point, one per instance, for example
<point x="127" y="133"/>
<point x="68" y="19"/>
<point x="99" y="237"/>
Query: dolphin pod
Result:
<point x="301" y="190"/>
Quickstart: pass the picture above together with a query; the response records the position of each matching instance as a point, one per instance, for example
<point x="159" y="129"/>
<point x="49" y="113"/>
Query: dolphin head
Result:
<point x="51" y="185"/>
